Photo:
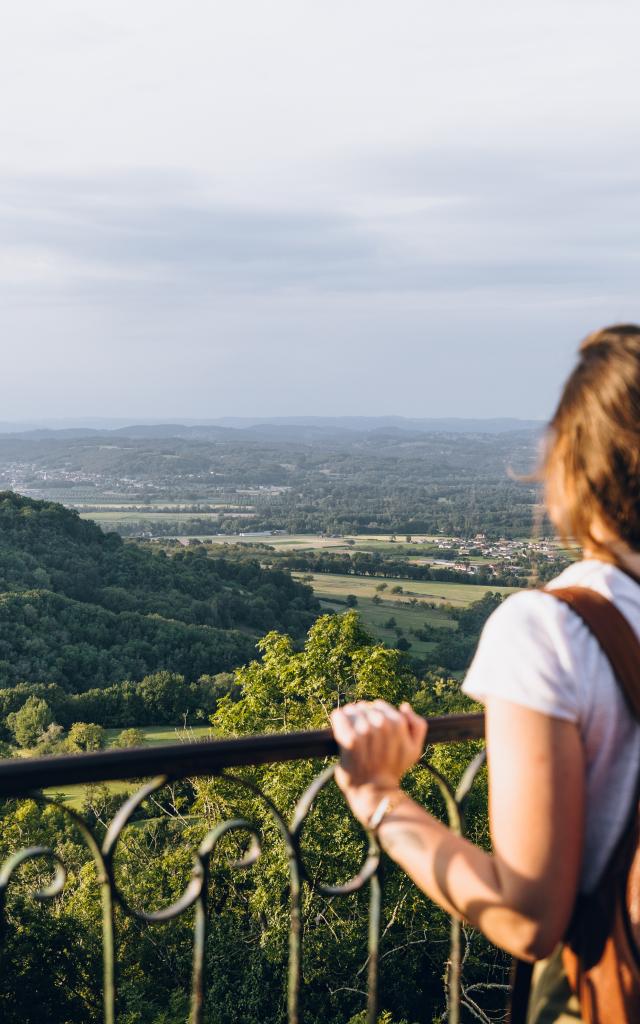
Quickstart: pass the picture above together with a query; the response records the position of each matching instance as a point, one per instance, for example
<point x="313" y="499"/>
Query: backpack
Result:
<point x="601" y="950"/>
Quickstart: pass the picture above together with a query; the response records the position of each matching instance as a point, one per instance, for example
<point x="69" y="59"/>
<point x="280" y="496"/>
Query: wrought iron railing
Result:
<point x="28" y="778"/>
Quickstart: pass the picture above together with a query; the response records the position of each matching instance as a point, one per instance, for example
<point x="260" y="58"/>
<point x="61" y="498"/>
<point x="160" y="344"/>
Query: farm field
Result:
<point x="319" y="542"/>
<point x="333" y="590"/>
<point x="375" y="617"/>
<point x="128" y="515"/>
<point x="104" y="505"/>
<point x="460" y="595"/>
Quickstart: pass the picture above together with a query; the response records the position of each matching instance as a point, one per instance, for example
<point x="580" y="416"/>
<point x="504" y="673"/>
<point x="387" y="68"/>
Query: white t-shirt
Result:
<point x="538" y="653"/>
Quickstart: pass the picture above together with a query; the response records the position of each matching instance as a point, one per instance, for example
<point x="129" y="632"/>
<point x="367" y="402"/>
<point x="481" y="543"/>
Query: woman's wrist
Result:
<point x="372" y="800"/>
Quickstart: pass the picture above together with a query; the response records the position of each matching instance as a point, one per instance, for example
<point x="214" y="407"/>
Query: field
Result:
<point x="319" y="542"/>
<point x="458" y="595"/>
<point x="435" y="600"/>
<point x="112" y="516"/>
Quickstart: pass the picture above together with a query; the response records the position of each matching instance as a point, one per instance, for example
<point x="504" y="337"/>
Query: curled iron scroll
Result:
<point x="195" y="893"/>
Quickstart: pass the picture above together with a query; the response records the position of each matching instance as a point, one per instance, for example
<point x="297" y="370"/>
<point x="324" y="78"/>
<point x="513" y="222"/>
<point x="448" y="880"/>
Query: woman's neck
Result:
<point x="617" y="553"/>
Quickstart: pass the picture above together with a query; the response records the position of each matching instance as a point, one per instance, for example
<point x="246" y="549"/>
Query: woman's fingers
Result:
<point x="416" y="724"/>
<point x="343" y="728"/>
<point x="378" y="741"/>
<point x="390" y="713"/>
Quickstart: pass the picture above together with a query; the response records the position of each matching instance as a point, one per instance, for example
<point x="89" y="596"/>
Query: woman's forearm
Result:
<point x="465" y="880"/>
<point x="522" y="895"/>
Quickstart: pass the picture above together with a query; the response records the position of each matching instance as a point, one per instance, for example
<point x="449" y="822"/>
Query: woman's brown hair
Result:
<point x="591" y="465"/>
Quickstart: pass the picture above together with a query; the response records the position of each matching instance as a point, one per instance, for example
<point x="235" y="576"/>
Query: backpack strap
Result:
<point x="621" y="646"/>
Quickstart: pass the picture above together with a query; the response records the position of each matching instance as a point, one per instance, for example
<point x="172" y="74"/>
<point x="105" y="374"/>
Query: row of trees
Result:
<point x="373" y="563"/>
<point x="163" y="698"/>
<point x="33" y="728"/>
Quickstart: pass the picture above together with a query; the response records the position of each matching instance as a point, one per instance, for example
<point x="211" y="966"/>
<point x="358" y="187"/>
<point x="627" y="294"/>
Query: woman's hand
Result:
<point x="378" y="744"/>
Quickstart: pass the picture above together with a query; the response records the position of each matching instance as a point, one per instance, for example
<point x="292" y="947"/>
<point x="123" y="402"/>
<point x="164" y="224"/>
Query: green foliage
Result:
<point x="86" y="736"/>
<point x="77" y="645"/>
<point x="129" y="738"/>
<point x="29" y="723"/>
<point x="160" y="698"/>
<point x="51" y="740"/>
<point x="472" y="619"/>
<point x="55" y="949"/>
<point x="290" y="690"/>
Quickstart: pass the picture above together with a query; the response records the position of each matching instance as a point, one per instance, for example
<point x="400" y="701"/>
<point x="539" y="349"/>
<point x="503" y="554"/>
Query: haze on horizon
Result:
<point x="311" y="209"/>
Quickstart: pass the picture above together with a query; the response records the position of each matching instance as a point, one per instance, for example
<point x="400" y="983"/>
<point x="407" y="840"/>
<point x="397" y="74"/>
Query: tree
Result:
<point x="28" y="724"/>
<point x="294" y="690"/>
<point x="86" y="736"/>
<point x="50" y="740"/>
<point x="129" y="738"/>
<point x="351" y="601"/>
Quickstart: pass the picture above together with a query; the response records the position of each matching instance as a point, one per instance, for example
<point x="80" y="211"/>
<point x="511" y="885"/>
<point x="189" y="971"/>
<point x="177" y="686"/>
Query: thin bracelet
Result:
<point x="386" y="805"/>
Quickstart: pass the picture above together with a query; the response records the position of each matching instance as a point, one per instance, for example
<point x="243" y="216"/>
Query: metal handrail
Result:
<point x="19" y="776"/>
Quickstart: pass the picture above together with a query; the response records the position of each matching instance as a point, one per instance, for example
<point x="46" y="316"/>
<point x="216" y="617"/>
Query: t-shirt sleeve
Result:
<point x="526" y="655"/>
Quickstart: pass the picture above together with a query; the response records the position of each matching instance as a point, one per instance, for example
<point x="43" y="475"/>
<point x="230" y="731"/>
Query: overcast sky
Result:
<point x="312" y="206"/>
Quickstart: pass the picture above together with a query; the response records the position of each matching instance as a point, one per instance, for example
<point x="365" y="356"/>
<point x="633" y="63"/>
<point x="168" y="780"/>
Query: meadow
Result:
<point x="419" y="603"/>
<point x="114" y="516"/>
<point x="73" y="796"/>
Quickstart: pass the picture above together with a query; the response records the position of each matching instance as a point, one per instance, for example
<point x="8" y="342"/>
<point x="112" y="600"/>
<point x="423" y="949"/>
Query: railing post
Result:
<point x="375" y="891"/>
<point x="108" y="953"/>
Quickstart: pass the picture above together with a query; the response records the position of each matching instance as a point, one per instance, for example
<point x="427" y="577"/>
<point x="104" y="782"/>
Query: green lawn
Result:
<point x="375" y="616"/>
<point x="153" y="735"/>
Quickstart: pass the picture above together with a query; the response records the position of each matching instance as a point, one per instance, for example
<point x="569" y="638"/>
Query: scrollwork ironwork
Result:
<point x="196" y="892"/>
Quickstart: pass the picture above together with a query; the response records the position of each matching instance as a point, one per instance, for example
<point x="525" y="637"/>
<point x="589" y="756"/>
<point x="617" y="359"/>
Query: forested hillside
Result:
<point x="82" y="608"/>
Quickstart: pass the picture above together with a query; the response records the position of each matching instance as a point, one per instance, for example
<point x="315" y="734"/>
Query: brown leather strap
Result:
<point x="614" y="634"/>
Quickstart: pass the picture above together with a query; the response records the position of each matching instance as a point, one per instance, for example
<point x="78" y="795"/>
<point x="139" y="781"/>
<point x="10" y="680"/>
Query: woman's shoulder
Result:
<point x="528" y="614"/>
<point x="529" y="653"/>
<point x="538" y="608"/>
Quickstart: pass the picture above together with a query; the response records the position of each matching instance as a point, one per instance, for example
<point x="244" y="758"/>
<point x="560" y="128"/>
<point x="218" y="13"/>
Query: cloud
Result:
<point x="138" y="229"/>
<point x="446" y="219"/>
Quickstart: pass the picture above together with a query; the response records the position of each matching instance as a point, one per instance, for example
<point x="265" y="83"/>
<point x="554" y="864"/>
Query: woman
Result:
<point x="563" y="750"/>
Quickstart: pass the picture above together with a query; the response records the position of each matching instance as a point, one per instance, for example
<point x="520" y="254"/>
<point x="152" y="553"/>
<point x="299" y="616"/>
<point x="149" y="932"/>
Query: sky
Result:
<point x="345" y="207"/>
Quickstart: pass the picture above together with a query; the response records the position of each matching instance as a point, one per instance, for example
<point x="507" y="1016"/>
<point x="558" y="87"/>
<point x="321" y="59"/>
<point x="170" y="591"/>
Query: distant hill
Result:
<point x="366" y="424"/>
<point x="82" y="608"/>
<point x="285" y="428"/>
